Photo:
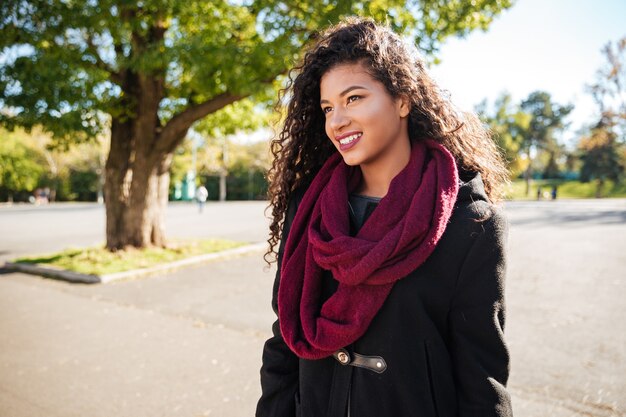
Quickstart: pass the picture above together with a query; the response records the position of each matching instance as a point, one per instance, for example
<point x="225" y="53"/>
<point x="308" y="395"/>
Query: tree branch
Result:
<point x="100" y="63"/>
<point x="178" y="125"/>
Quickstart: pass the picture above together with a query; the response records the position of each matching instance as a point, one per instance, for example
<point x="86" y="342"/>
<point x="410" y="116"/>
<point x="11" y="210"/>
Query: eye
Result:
<point x="354" y="98"/>
<point x="326" y="109"/>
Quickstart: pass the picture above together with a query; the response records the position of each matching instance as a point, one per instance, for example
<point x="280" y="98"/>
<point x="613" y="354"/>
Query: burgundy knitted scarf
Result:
<point x="397" y="238"/>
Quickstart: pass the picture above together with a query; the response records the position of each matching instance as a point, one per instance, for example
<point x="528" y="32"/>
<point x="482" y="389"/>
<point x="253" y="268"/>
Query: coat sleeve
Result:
<point x="479" y="354"/>
<point x="279" y="371"/>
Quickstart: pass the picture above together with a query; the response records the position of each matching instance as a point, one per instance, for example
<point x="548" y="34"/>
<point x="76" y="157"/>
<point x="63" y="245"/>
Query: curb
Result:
<point x="52" y="273"/>
<point x="76" y="277"/>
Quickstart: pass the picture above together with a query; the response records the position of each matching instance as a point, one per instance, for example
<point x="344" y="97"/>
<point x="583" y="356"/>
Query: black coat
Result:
<point x="440" y="333"/>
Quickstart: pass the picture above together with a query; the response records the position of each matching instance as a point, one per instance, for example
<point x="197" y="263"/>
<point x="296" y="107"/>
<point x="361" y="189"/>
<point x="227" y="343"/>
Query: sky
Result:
<point x="550" y="45"/>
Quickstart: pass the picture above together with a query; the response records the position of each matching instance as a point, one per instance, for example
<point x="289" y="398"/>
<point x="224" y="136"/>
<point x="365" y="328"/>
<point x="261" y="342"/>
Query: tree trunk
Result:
<point x="529" y="170"/>
<point x="599" y="187"/>
<point x="139" y="215"/>
<point x="162" y="187"/>
<point x="224" y="171"/>
<point x="527" y="175"/>
<point x="137" y="176"/>
<point x="136" y="190"/>
<point x="223" y="176"/>
<point x="136" y="217"/>
<point x="116" y="184"/>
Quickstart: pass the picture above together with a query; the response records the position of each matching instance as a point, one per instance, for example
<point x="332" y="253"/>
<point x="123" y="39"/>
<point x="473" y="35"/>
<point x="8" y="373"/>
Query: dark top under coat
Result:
<point x="361" y="207"/>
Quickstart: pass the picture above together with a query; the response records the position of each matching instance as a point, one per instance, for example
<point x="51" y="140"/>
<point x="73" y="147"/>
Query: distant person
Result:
<point x="40" y="196"/>
<point x="554" y="192"/>
<point x="539" y="193"/>
<point x="391" y="262"/>
<point x="201" y="195"/>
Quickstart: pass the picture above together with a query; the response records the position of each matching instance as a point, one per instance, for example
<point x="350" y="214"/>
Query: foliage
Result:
<point x="242" y="116"/>
<point x="246" y="182"/>
<point x="181" y="163"/>
<point x="547" y="119"/>
<point x="98" y="261"/>
<point x="602" y="155"/>
<point x="609" y="88"/>
<point x="565" y="189"/>
<point x="65" y="63"/>
<point x="21" y="165"/>
<point x="84" y="185"/>
<point x="69" y="174"/>
<point x="507" y="123"/>
<point x="246" y="166"/>
<point x="528" y="132"/>
<point x="603" y="151"/>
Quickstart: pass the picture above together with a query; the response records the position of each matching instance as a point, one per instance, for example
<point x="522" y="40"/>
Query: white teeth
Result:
<point x="350" y="138"/>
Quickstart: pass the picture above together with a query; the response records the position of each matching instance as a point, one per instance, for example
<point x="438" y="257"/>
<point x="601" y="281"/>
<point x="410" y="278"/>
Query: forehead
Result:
<point x="336" y="79"/>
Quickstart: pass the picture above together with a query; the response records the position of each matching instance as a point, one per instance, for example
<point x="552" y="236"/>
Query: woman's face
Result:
<point x="367" y="125"/>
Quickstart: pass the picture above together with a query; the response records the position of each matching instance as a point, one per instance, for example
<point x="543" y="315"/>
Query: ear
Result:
<point x="404" y="106"/>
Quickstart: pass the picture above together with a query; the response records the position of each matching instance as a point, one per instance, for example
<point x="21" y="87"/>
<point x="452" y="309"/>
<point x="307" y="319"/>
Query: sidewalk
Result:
<point x="183" y="344"/>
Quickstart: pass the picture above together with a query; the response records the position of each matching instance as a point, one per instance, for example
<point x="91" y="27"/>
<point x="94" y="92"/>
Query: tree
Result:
<point x="20" y="165"/>
<point x="547" y="118"/>
<point x="603" y="150"/>
<point x="602" y="156"/>
<point x="507" y="123"/>
<point x="147" y="70"/>
<point x="28" y="161"/>
<point x="609" y="89"/>
<point x="62" y="162"/>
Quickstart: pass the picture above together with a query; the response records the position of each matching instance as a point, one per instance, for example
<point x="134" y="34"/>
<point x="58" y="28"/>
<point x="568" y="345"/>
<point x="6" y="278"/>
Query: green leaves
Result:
<point x="529" y="127"/>
<point x="81" y="59"/>
<point x="547" y="118"/>
<point x="507" y="123"/>
<point x="603" y="150"/>
<point x="21" y="167"/>
<point x="603" y="156"/>
<point x="241" y="116"/>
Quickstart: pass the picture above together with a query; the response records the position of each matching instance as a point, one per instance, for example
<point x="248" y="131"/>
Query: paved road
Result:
<point x="566" y="310"/>
<point x="188" y="343"/>
<point x="26" y="229"/>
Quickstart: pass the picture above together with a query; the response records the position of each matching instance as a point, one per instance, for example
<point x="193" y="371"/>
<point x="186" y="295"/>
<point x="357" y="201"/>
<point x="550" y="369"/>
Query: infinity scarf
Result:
<point x="399" y="235"/>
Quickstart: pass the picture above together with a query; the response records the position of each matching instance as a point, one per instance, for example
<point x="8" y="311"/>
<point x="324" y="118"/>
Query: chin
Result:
<point x="351" y="161"/>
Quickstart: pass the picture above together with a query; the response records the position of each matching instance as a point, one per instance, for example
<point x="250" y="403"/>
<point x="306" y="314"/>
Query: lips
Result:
<point x="348" y="140"/>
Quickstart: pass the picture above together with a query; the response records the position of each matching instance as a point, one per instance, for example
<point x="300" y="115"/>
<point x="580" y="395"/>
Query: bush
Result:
<point x="83" y="185"/>
<point x="565" y="189"/>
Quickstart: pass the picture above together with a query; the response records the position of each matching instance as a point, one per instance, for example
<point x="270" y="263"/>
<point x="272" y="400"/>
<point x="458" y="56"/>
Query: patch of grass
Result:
<point x="99" y="261"/>
<point x="565" y="189"/>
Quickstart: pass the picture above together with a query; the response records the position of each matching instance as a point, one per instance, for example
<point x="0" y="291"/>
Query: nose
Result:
<point x="338" y="119"/>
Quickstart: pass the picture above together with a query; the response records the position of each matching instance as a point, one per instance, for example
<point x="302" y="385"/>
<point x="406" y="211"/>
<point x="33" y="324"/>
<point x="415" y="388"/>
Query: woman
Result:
<point x="389" y="293"/>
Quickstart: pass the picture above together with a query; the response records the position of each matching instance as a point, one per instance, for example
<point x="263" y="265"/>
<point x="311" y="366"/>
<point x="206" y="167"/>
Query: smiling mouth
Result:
<point x="348" y="142"/>
<point x="350" y="138"/>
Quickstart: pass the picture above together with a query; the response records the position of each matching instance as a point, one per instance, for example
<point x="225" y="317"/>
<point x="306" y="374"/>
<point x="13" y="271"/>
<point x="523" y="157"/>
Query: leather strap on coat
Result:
<point x="372" y="363"/>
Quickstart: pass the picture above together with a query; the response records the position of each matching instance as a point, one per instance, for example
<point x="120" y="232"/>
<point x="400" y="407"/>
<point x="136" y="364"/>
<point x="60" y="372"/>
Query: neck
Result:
<point x="377" y="176"/>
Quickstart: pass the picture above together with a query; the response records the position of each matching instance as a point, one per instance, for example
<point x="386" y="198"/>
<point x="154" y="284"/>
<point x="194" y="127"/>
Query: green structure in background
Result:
<point x="185" y="190"/>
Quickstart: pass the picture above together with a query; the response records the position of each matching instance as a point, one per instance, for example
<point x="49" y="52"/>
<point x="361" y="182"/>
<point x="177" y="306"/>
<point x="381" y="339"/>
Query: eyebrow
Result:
<point x="346" y="91"/>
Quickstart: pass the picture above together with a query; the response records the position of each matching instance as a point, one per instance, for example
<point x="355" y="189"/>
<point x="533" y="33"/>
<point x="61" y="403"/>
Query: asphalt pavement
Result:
<point x="188" y="343"/>
<point x="29" y="229"/>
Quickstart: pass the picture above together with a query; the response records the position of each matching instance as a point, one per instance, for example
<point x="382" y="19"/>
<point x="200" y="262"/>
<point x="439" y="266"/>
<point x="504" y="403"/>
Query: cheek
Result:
<point x="327" y="129"/>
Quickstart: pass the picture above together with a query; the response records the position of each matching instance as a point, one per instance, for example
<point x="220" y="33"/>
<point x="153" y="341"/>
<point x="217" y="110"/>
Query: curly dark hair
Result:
<point x="301" y="147"/>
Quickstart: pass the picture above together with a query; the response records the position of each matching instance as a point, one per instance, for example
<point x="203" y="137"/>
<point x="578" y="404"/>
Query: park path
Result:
<point x="188" y="343"/>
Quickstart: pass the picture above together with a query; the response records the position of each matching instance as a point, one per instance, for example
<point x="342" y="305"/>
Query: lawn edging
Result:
<point x="76" y="277"/>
